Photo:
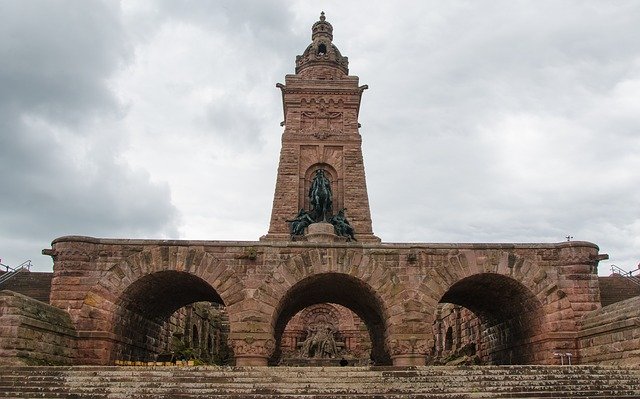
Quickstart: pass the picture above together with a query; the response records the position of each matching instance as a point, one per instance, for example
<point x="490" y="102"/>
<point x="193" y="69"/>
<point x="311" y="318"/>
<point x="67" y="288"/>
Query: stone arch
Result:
<point x="153" y="282"/>
<point x="344" y="290"/>
<point x="323" y="312"/>
<point x="460" y="264"/>
<point x="335" y="275"/>
<point x="508" y="294"/>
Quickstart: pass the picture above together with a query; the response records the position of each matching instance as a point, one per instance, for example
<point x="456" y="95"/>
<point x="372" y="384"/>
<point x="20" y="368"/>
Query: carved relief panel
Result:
<point x="322" y="120"/>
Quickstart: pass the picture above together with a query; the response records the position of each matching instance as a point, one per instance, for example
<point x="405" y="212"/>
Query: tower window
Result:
<point x="322" y="49"/>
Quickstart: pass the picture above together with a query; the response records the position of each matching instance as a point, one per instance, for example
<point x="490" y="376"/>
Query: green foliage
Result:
<point x="223" y="357"/>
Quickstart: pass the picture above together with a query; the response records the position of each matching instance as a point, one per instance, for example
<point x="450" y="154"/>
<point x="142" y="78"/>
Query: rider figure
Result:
<point x="320" y="196"/>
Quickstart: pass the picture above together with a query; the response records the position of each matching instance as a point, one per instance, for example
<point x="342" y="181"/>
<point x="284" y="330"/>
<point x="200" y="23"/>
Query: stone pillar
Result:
<point x="409" y="350"/>
<point x="322" y="232"/>
<point x="578" y="275"/>
<point x="252" y="349"/>
<point x="578" y="288"/>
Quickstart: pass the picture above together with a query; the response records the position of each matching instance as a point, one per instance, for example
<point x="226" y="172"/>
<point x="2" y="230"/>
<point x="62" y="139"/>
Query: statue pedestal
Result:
<point x="409" y="360"/>
<point x="322" y="232"/>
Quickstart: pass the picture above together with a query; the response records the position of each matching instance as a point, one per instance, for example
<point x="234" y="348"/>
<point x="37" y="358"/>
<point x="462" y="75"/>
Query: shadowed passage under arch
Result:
<point x="341" y="289"/>
<point x="507" y="314"/>
<point x="146" y="305"/>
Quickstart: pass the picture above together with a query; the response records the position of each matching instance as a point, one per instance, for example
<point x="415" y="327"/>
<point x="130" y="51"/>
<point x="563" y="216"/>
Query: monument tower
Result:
<point x="321" y="103"/>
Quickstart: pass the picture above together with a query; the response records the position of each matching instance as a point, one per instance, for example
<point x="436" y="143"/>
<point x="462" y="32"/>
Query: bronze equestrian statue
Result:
<point x="320" y="197"/>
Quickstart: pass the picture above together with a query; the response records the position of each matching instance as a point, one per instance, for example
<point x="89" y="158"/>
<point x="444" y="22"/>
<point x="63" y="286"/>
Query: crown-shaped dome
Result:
<point x="322" y="52"/>
<point x="322" y="28"/>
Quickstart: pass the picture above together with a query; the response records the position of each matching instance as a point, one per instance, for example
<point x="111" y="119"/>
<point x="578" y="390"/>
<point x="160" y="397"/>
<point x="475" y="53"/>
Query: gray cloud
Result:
<point x="485" y="121"/>
<point x="60" y="141"/>
<point x="516" y="120"/>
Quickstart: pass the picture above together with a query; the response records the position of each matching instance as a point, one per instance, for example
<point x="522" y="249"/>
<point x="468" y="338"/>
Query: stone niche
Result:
<point x="302" y="346"/>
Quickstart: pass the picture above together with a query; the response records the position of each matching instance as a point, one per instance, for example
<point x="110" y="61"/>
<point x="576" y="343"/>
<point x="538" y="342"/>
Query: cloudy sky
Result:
<point x="485" y="121"/>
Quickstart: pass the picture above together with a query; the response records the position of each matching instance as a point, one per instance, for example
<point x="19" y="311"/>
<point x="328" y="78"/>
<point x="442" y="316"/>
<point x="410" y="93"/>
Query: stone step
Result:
<point x="475" y="395"/>
<point x="319" y="379"/>
<point x="333" y="371"/>
<point x="126" y="391"/>
<point x="520" y="379"/>
<point x="355" y="388"/>
<point x="323" y="382"/>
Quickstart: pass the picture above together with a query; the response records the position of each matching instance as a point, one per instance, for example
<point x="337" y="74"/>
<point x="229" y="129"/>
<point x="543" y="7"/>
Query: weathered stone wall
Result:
<point x="34" y="333"/>
<point x="611" y="335"/>
<point x="203" y="327"/>
<point x="394" y="288"/>
<point x="455" y="329"/>
<point x="36" y="285"/>
<point x="616" y="288"/>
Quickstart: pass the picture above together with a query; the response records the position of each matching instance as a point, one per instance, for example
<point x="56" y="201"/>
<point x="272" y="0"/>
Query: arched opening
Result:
<point x="322" y="49"/>
<point x="195" y="341"/>
<point x="334" y="179"/>
<point x="339" y="289"/>
<point x="345" y="336"/>
<point x="161" y="315"/>
<point x="490" y="319"/>
<point x="448" y="339"/>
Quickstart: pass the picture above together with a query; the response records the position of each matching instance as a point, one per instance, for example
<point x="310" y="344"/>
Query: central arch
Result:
<point x="510" y="317"/>
<point x="342" y="289"/>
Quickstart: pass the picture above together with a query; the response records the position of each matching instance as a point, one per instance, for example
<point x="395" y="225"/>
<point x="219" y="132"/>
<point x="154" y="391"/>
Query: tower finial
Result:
<point x="322" y="17"/>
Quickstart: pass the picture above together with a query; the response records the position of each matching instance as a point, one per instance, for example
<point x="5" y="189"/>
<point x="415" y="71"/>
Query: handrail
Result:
<point x="10" y="271"/>
<point x="626" y="274"/>
<point x="26" y="265"/>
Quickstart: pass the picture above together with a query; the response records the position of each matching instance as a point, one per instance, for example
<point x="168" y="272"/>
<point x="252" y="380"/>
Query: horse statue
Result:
<point x="320" y="196"/>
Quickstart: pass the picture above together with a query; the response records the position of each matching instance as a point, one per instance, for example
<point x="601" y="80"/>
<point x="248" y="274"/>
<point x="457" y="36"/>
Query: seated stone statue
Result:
<point x="320" y="343"/>
<point x="309" y="345"/>
<point x="342" y="226"/>
<point x="299" y="223"/>
<point x="328" y="348"/>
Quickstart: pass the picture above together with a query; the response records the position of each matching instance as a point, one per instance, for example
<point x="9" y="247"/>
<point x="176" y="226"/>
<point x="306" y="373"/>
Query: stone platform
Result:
<point x="321" y="382"/>
<point x="323" y="362"/>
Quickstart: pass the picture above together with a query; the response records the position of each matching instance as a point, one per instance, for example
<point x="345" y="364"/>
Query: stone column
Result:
<point x="252" y="349"/>
<point x="578" y="288"/>
<point x="409" y="350"/>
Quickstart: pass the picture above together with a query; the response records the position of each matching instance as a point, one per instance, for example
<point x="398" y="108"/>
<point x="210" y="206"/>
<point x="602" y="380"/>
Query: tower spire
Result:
<point x="321" y="104"/>
<point x="322" y="52"/>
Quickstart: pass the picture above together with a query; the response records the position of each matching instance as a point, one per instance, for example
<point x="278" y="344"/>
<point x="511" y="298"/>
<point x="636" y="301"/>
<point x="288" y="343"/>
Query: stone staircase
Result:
<point x="617" y="288"/>
<point x="321" y="382"/>
<point x="36" y="285"/>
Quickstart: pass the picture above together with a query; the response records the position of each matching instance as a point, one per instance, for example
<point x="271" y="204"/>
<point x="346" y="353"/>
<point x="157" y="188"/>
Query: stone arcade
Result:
<point x="528" y="298"/>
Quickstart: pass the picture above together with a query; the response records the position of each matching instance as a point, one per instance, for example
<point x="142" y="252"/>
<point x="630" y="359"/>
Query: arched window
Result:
<point x="322" y="49"/>
<point x="448" y="339"/>
<point x="195" y="342"/>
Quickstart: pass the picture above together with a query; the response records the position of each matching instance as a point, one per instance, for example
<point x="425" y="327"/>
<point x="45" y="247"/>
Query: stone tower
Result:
<point x="321" y="104"/>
